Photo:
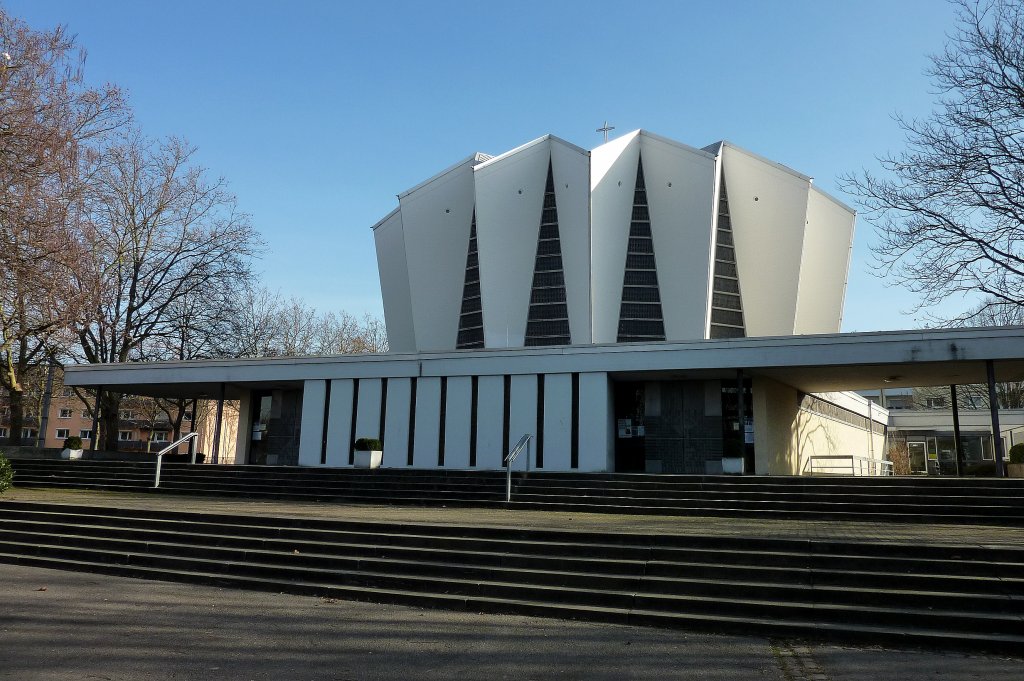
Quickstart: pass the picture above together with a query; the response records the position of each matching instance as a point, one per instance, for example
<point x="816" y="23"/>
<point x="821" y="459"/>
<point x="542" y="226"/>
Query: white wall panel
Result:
<point x="613" y="179"/>
<point x="396" y="423"/>
<point x="428" y="421"/>
<point x="436" y="219"/>
<point x="523" y="418"/>
<point x="312" y="427"/>
<point x="680" y="195"/>
<point x="828" y="241"/>
<point x="393" y="267"/>
<point x="490" y="418"/>
<point x="768" y="206"/>
<point x="509" y="199"/>
<point x="339" y="422"/>
<point x="571" y="171"/>
<point x="368" y="409"/>
<point x="557" y="422"/>
<point x="243" y="436"/>
<point x="596" y="444"/>
<point x="457" y="421"/>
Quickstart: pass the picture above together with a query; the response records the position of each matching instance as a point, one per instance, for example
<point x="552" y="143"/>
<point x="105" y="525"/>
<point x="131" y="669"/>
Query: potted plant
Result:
<point x="369" y="453"/>
<point x="732" y="457"/>
<point x="1015" y="469"/>
<point x="72" y="448"/>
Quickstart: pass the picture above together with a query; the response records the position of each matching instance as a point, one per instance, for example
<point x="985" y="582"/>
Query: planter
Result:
<point x="368" y="459"/>
<point x="732" y="465"/>
<point x="1015" y="470"/>
<point x="71" y="454"/>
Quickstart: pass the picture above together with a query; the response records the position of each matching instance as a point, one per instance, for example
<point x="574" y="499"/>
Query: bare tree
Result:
<point x="47" y="120"/>
<point x="949" y="209"/>
<point x="161" y="236"/>
<point x="265" y="325"/>
<point x="253" y="322"/>
<point x="898" y="454"/>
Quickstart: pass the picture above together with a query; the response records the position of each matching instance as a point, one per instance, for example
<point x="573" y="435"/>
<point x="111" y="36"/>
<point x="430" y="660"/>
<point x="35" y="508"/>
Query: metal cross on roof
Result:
<point x="606" y="129"/>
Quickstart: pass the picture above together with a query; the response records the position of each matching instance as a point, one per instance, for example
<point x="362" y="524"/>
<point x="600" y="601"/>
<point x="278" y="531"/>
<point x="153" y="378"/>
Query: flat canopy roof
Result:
<point x="819" y="363"/>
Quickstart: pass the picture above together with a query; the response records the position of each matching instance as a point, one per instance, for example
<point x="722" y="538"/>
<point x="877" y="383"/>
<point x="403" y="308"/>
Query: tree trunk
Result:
<point x="17" y="398"/>
<point x="110" y="420"/>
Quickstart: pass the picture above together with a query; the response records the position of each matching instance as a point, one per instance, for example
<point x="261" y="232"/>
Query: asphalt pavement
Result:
<point x="59" y="626"/>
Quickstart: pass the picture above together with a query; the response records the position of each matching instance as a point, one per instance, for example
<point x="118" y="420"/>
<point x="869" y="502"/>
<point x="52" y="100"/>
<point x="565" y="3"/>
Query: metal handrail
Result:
<point x="173" y="445"/>
<point x="857" y="465"/>
<point x="524" y="442"/>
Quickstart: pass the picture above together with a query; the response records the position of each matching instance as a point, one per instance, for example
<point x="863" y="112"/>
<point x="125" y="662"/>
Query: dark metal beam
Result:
<point x="216" y="429"/>
<point x="96" y="419"/>
<point x="993" y="407"/>
<point x="957" y="444"/>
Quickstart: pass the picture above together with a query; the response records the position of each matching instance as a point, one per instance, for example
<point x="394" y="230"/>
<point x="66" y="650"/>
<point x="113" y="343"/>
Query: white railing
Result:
<point x="173" y="445"/>
<point x="846" y="464"/>
<point x="524" y="443"/>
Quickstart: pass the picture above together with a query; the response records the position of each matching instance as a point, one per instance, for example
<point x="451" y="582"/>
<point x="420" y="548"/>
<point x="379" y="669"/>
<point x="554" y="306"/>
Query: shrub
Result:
<point x="1017" y="453"/>
<point x="73" y="442"/>
<point x="6" y="474"/>
<point x="984" y="469"/>
<point x="368" y="444"/>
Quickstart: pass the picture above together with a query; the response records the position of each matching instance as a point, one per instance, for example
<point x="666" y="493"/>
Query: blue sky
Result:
<point x="319" y="113"/>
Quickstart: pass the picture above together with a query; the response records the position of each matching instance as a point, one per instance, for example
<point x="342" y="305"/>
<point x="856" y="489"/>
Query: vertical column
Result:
<point x="490" y="416"/>
<point x="993" y="406"/>
<point x="957" y="443"/>
<point x="244" y="435"/>
<point x="217" y="427"/>
<point x="311" y="430"/>
<point x="596" y="420"/>
<point x="95" y="418"/>
<point x="339" y="422"/>
<point x="557" y="421"/>
<point x="428" y="415"/>
<point x="523" y="418"/>
<point x="396" y="423"/>
<point x="459" y="397"/>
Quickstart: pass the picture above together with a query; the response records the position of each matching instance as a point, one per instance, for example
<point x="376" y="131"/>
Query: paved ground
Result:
<point x="58" y="626"/>
<point x="745" y="527"/>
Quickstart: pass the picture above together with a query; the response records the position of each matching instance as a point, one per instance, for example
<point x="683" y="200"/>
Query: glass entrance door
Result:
<point x="261" y="407"/>
<point x="918" y="461"/>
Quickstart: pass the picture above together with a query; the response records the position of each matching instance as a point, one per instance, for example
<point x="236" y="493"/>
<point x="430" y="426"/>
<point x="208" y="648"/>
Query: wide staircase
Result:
<point x="872" y="499"/>
<point x="913" y="593"/>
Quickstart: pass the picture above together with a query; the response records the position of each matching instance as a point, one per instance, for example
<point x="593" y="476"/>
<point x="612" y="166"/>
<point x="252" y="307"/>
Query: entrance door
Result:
<point x="261" y="408"/>
<point x="630" y="431"/>
<point x="917" y="457"/>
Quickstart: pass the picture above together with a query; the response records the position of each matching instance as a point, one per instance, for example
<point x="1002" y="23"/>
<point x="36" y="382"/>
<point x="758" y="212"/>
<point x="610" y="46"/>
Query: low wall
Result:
<point x="12" y="452"/>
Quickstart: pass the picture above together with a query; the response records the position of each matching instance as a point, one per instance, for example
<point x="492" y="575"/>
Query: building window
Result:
<point x="65" y="414"/>
<point x="126" y="415"/>
<point x="471" y="324"/>
<point x="3" y="433"/>
<point x="63" y="433"/>
<point x="640" y="317"/>
<point x="188" y="416"/>
<point x="726" y="306"/>
<point x="5" y="411"/>
<point x="935" y="402"/>
<point x="159" y="436"/>
<point x="547" y="322"/>
<point x="85" y="434"/>
<point x="29" y="433"/>
<point x="124" y="435"/>
<point x="86" y="414"/>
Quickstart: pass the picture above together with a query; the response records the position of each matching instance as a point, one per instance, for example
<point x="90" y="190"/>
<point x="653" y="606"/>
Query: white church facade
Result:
<point x="642" y="307"/>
